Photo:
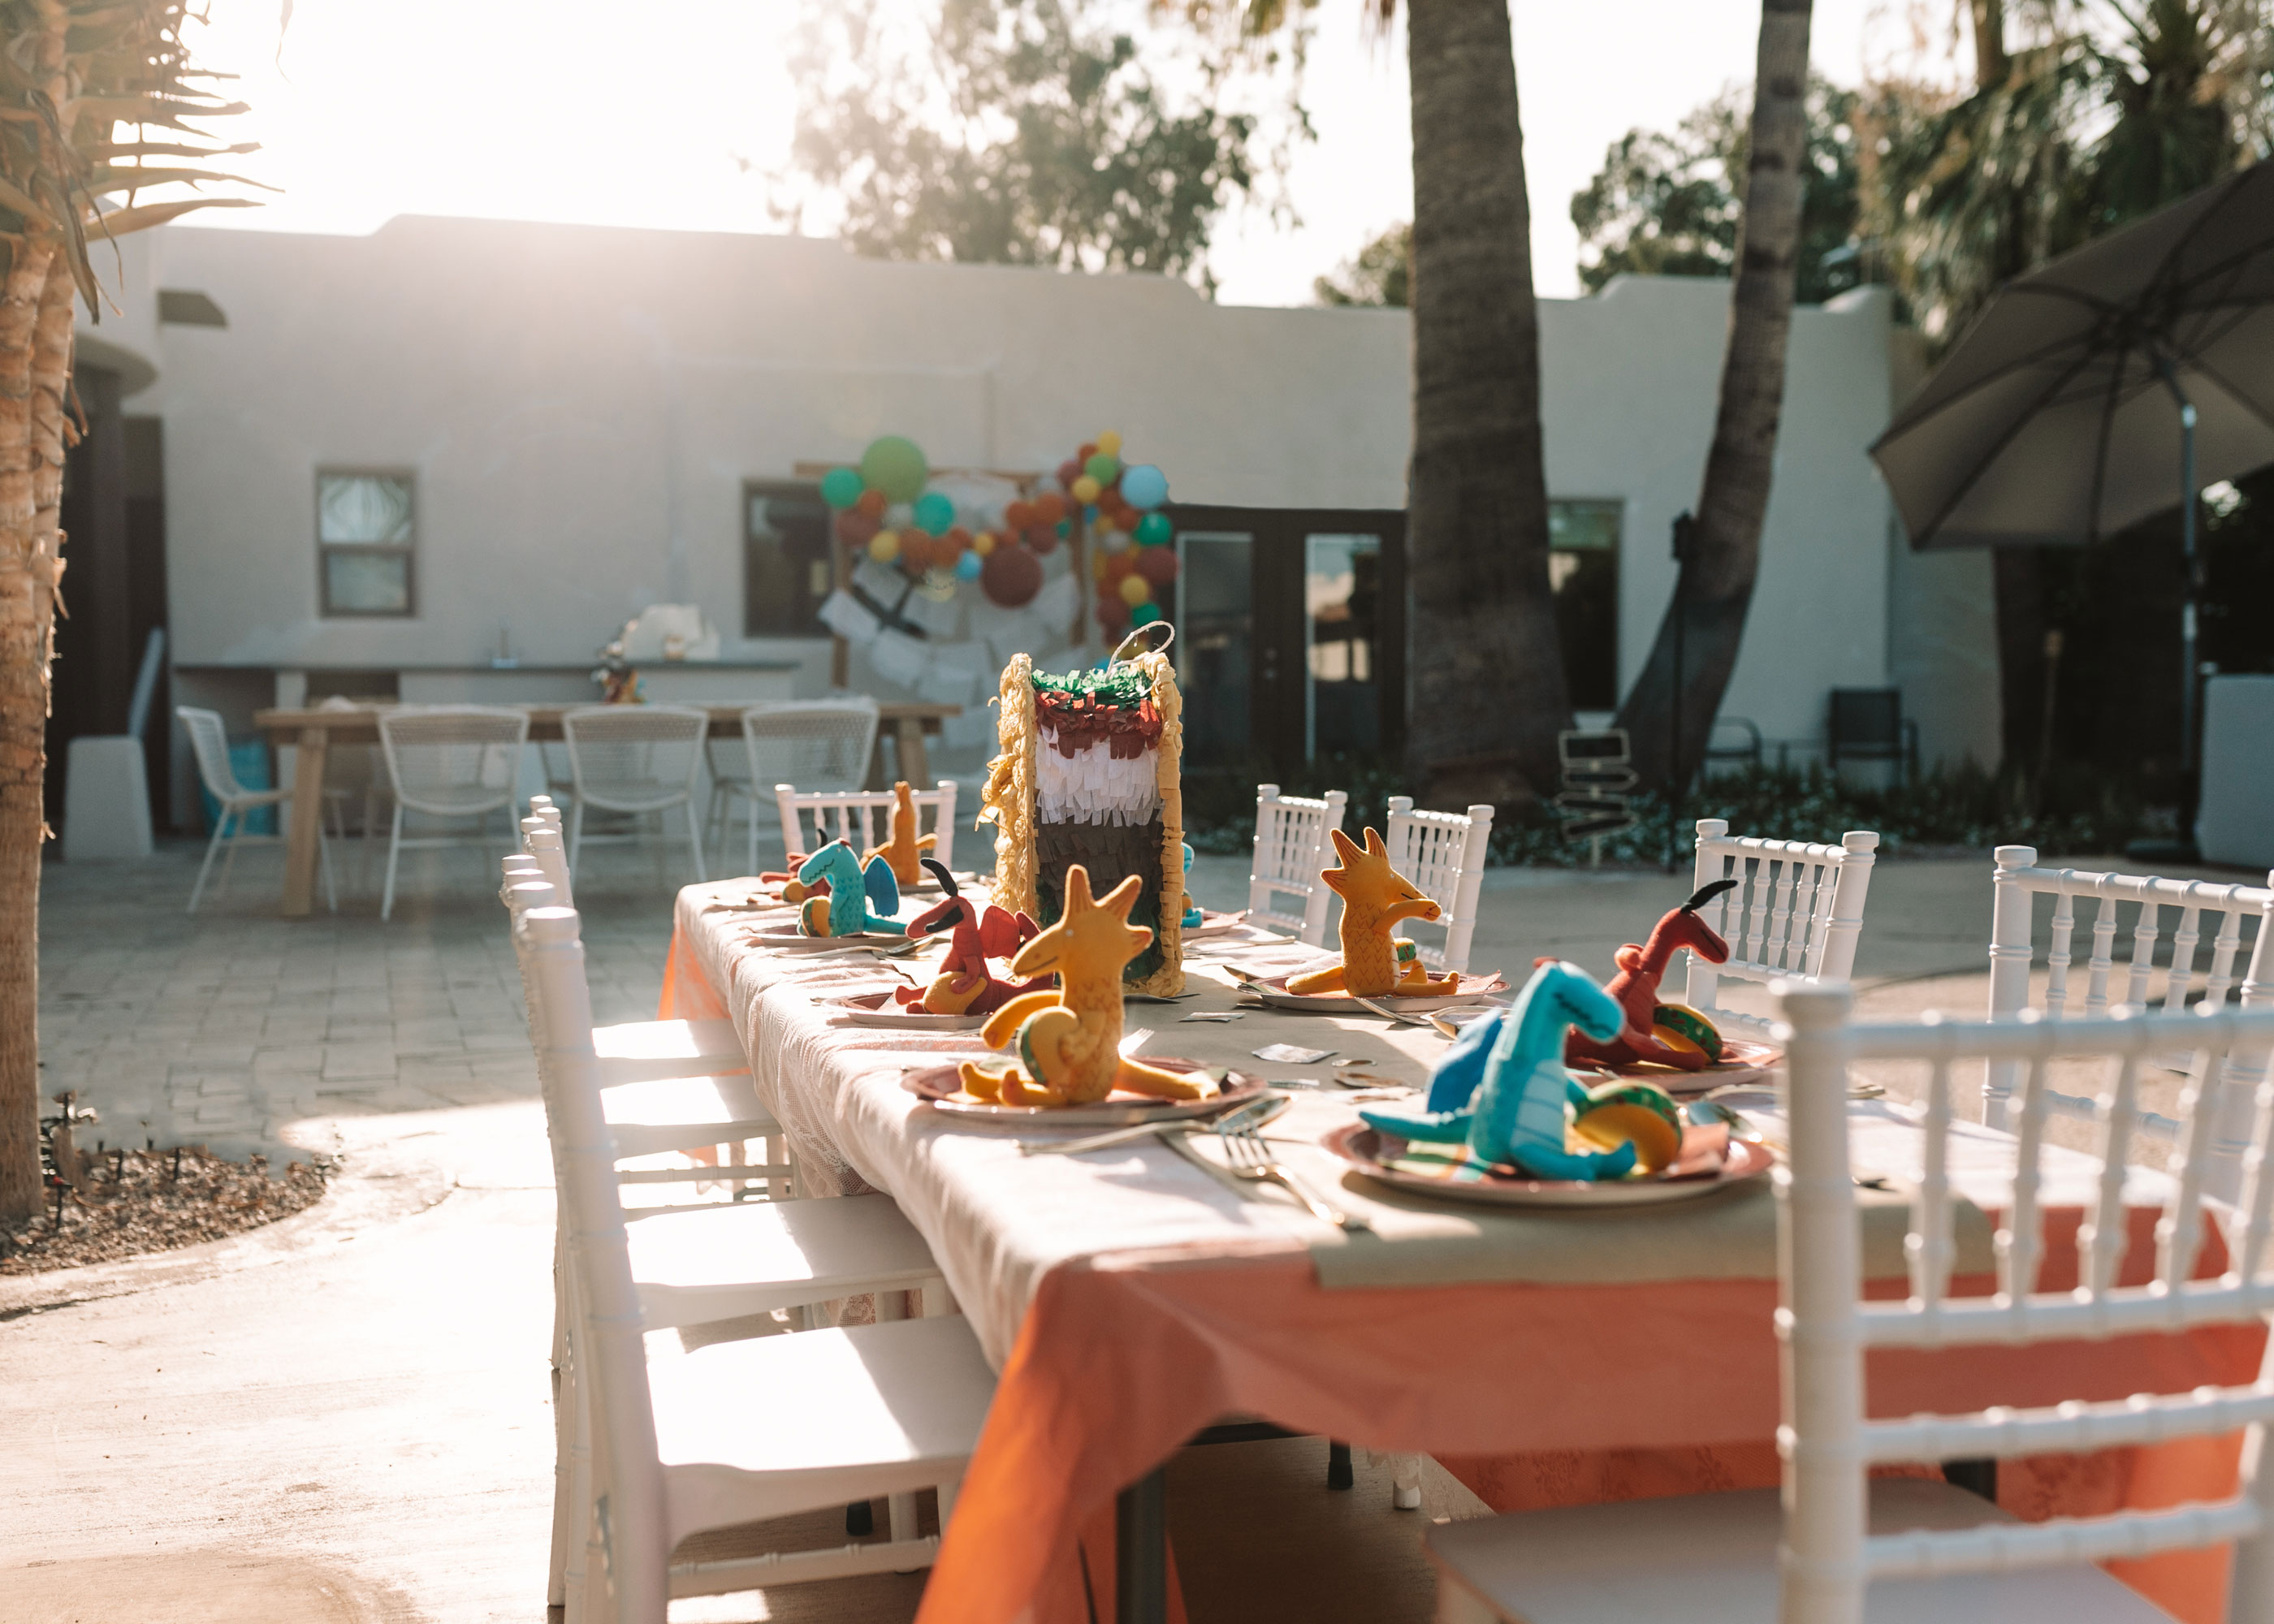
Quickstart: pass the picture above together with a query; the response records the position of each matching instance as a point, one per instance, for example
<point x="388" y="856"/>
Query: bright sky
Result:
<point x="584" y="111"/>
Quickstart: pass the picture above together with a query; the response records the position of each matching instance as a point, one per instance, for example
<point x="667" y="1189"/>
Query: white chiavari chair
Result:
<point x="1443" y="854"/>
<point x="1796" y="915"/>
<point x="1839" y="1547"/>
<point x="2201" y="965"/>
<point x="810" y="819"/>
<point x="1291" y="847"/>
<point x="667" y="1446"/>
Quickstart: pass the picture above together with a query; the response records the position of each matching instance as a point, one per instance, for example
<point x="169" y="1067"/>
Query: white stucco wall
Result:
<point x="582" y="406"/>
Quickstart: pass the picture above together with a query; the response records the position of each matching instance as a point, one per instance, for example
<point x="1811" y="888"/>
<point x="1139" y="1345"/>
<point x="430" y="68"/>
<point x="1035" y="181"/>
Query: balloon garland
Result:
<point x="1119" y="503"/>
<point x="884" y="507"/>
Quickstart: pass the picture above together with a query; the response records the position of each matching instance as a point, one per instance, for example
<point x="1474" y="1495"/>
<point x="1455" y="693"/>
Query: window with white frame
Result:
<point x="366" y="542"/>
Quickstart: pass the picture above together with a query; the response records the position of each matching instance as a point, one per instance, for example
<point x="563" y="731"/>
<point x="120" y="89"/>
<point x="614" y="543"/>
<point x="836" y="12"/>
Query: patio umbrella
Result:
<point x="2103" y="387"/>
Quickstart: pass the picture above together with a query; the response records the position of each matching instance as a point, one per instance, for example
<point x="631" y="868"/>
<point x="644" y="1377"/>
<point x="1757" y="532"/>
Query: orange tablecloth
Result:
<point x="1532" y="1394"/>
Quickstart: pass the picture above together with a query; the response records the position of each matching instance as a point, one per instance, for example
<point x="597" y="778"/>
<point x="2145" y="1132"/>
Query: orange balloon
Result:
<point x="1049" y="507"/>
<point x="1119" y="565"/>
<point x="915" y="549"/>
<point x="872" y="503"/>
<point x="1018" y="515"/>
<point x="957" y="539"/>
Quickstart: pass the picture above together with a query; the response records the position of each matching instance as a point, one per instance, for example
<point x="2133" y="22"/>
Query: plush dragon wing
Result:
<point x="884" y="891"/>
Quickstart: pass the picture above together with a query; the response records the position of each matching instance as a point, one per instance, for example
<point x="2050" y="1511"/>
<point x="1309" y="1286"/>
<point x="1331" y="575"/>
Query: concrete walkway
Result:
<point x="344" y="1416"/>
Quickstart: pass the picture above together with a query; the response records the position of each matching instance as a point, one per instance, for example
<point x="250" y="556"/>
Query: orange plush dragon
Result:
<point x="1069" y="1041"/>
<point x="1375" y="898"/>
<point x="905" y="850"/>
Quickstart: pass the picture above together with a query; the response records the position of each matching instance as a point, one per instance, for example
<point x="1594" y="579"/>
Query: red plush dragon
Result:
<point x="965" y="985"/>
<point x="1694" y="1044"/>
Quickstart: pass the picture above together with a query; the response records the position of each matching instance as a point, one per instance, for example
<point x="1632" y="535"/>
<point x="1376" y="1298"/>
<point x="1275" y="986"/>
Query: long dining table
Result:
<point x="1131" y="1300"/>
<point x="313" y="729"/>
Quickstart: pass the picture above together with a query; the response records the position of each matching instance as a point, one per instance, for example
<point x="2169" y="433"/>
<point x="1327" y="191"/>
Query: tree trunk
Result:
<point x="1488" y="694"/>
<point x="28" y="575"/>
<point x="1716" y="584"/>
<point x="1991" y="63"/>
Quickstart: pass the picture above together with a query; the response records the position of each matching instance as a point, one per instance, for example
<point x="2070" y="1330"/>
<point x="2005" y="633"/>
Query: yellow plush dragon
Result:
<point x="1069" y="1041"/>
<point x="1375" y="898"/>
<point x="903" y="851"/>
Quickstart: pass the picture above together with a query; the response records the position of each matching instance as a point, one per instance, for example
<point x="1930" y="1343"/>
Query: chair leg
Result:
<point x="221" y="827"/>
<point x="394" y="856"/>
<point x="575" y="835"/>
<point x="695" y="840"/>
<point x="323" y="861"/>
<point x="1339" y="1475"/>
<point x="1405" y="1481"/>
<point x="229" y="858"/>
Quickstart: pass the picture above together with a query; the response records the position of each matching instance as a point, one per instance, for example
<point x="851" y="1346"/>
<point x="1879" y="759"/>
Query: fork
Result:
<point x="1250" y="1159"/>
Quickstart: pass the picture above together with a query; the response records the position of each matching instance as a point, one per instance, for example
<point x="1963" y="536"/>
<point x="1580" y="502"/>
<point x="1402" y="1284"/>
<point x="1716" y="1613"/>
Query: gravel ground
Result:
<point x="133" y="1202"/>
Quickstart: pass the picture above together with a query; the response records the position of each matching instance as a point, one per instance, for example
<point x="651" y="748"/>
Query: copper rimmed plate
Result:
<point x="942" y="1087"/>
<point x="1473" y="989"/>
<point x="1214" y="924"/>
<point x="1742" y="1061"/>
<point x="785" y="939"/>
<point x="879" y="1010"/>
<point x="1447" y="1173"/>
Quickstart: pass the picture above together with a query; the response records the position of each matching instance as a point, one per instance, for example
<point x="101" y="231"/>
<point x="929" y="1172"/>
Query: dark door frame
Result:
<point x="1277" y="669"/>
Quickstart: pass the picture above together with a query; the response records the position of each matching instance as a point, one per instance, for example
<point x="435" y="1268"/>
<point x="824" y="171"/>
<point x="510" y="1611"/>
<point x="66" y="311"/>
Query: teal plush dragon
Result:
<point x="1514" y="1107"/>
<point x="853" y="892"/>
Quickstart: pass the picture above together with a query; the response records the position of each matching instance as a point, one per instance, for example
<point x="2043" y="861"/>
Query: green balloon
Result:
<point x="841" y="487"/>
<point x="1104" y="468"/>
<point x="896" y="467"/>
<point x="1154" y="530"/>
<point x="935" y="513"/>
<point x="1144" y="614"/>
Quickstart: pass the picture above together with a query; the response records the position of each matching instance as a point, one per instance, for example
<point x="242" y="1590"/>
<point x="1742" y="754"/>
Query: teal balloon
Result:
<point x="1065" y="528"/>
<point x="1154" y="530"/>
<point x="896" y="467"/>
<point x="841" y="487"/>
<point x="1144" y="486"/>
<point x="968" y="566"/>
<point x="1102" y="467"/>
<point x="1144" y="614"/>
<point x="935" y="513"/>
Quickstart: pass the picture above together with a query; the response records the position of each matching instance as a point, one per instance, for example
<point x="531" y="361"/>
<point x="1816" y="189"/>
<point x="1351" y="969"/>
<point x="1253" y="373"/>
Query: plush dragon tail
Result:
<point x="1427" y="1127"/>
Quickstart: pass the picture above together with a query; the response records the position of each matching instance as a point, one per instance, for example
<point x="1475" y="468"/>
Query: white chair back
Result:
<point x="864" y="817"/>
<point x="1796" y="915"/>
<point x="209" y="739"/>
<point x="2201" y="963"/>
<point x="1291" y="851"/>
<point x="606" y="1328"/>
<point x="635" y="758"/>
<point x="454" y="761"/>
<point x="1443" y="854"/>
<point x="819" y="744"/>
<point x="1826" y="1330"/>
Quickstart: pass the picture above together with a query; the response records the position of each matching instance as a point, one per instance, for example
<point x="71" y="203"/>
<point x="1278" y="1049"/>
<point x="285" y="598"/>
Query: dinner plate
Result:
<point x="1214" y="924"/>
<point x="1446" y="1172"/>
<point x="1743" y="1061"/>
<point x="942" y="1087"/>
<point x="1473" y="989"/>
<point x="877" y="1010"/>
<point x="785" y="939"/>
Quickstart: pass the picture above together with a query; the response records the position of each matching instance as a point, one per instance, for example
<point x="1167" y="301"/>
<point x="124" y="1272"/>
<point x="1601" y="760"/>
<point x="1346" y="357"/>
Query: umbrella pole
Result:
<point x="2188" y="665"/>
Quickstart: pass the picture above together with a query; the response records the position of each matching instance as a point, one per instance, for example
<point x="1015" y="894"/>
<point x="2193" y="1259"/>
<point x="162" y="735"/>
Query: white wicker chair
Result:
<point x="2202" y="962"/>
<point x="1930" y="1552"/>
<point x="862" y="817"/>
<point x="634" y="759"/>
<point x="1443" y="854"/>
<point x="818" y="744"/>
<point x="1291" y="847"/>
<point x="455" y="762"/>
<point x="210" y="741"/>
<point x="665" y="1447"/>
<point x="1797" y="913"/>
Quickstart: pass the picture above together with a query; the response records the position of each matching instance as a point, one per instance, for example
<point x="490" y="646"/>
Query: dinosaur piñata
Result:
<point x="965" y="985"/>
<point x="1524" y="1101"/>
<point x="854" y="887"/>
<point x="906" y="847"/>
<point x="1696" y="1044"/>
<point x="1069" y="1041"/>
<point x="1375" y="898"/>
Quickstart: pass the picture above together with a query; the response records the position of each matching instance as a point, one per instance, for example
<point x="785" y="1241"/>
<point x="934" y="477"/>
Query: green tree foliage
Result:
<point x="1014" y="134"/>
<point x="1381" y="273"/>
<point x="1669" y="205"/>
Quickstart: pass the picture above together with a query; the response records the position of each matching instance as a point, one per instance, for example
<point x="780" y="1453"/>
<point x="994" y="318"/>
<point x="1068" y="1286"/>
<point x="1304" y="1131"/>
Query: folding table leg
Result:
<point x="1141" y="1565"/>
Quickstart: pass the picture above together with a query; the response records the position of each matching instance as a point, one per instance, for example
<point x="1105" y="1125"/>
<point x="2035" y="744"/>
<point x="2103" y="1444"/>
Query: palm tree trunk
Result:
<point x="28" y="574"/>
<point x="1488" y="694"/>
<point x="1716" y="585"/>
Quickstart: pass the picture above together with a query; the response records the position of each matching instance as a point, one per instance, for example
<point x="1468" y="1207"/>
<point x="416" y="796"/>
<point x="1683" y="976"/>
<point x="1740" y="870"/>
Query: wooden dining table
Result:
<point x="313" y="729"/>
<point x="1132" y="1302"/>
